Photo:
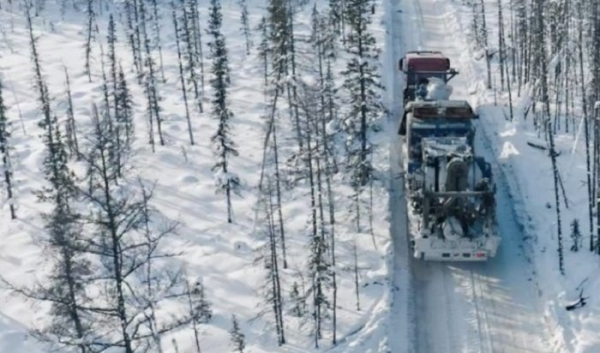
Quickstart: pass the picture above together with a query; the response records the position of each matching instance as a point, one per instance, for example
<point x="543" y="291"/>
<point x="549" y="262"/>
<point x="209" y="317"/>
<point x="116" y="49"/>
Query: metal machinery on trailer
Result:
<point x="449" y="190"/>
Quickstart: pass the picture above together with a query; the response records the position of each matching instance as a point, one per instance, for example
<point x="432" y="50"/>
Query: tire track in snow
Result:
<point x="400" y="315"/>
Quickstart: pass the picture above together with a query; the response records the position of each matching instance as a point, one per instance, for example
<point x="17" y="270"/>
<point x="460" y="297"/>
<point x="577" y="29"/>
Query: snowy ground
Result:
<point x="222" y="255"/>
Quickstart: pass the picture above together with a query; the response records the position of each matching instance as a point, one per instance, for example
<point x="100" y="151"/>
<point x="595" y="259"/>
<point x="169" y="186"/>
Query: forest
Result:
<point x="140" y="154"/>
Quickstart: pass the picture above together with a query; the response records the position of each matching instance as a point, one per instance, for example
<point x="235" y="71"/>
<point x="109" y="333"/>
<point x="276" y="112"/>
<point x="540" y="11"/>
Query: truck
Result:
<point x="449" y="189"/>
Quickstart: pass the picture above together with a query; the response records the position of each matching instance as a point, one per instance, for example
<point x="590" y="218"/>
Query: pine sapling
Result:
<point x="296" y="300"/>
<point x="575" y="235"/>
<point x="237" y="337"/>
<point x="245" y="24"/>
<point x="5" y="150"/>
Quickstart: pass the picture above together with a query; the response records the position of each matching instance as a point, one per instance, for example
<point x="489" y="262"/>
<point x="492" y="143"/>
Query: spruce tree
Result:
<point x="194" y="19"/>
<point x="224" y="147"/>
<point x="297" y="301"/>
<point x="280" y="31"/>
<point x="575" y="235"/>
<point x="363" y="85"/>
<point x="129" y="13"/>
<point x="66" y="288"/>
<point x="264" y="52"/>
<point x="182" y="74"/>
<point x="237" y="337"/>
<point x="319" y="265"/>
<point x="336" y="18"/>
<point x="323" y="40"/>
<point x="194" y="312"/>
<point x="190" y="38"/>
<point x="151" y="84"/>
<point x="91" y="22"/>
<point x="124" y="111"/>
<point x="200" y="307"/>
<point x="156" y="20"/>
<point x="245" y="20"/>
<point x="274" y="292"/>
<point x="71" y="128"/>
<point x="5" y="151"/>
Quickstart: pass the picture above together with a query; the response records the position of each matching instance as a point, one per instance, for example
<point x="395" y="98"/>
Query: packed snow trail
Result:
<point x="400" y="330"/>
<point x="470" y="307"/>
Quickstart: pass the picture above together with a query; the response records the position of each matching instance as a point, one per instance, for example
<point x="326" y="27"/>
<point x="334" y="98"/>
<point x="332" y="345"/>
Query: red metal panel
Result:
<point x="427" y="64"/>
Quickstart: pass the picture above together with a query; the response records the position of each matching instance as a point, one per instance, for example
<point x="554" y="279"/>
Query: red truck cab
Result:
<point x="419" y="66"/>
<point x="424" y="61"/>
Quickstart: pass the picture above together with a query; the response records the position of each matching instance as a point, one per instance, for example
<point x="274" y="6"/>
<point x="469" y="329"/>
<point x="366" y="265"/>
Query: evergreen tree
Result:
<point x="319" y="266"/>
<point x="70" y="325"/>
<point x="124" y="111"/>
<point x="193" y="310"/>
<point x="324" y="44"/>
<point x="224" y="146"/>
<point x="182" y="75"/>
<point x="297" y="301"/>
<point x="575" y="235"/>
<point x="111" y="39"/>
<point x="363" y="85"/>
<point x="194" y="19"/>
<point x="190" y="38"/>
<point x="71" y="128"/>
<point x="156" y="20"/>
<point x="5" y="151"/>
<point x="245" y="24"/>
<point x="66" y="289"/>
<point x="362" y="82"/>
<point x="336" y="17"/>
<point x="131" y="36"/>
<point x="151" y="84"/>
<point x="271" y="152"/>
<point x="237" y="337"/>
<point x="199" y="304"/>
<point x="263" y="51"/>
<point x="271" y="259"/>
<point x="319" y="270"/>
<point x="91" y="22"/>
<point x="281" y="60"/>
<point x="288" y="36"/>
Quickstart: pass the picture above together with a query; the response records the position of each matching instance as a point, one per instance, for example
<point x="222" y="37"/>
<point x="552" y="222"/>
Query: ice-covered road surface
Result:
<point x="476" y="307"/>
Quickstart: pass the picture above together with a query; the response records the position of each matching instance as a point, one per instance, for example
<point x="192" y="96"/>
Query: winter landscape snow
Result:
<point x="215" y="166"/>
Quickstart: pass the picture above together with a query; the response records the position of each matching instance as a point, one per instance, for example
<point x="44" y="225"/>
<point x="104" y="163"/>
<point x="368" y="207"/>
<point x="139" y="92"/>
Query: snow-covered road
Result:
<point x="479" y="307"/>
